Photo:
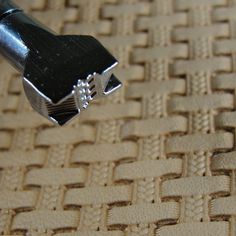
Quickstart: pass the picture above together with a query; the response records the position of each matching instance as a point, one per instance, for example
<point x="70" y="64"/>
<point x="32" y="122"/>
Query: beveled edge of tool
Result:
<point x="7" y="7"/>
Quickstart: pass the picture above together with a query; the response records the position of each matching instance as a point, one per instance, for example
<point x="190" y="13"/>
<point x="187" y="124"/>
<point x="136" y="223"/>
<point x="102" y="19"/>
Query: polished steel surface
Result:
<point x="62" y="74"/>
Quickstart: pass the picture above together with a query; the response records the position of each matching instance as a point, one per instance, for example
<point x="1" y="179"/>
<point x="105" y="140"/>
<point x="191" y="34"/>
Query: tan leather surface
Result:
<point x="156" y="158"/>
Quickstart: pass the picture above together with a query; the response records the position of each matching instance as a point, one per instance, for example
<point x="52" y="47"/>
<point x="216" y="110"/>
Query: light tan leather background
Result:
<point x="156" y="158"/>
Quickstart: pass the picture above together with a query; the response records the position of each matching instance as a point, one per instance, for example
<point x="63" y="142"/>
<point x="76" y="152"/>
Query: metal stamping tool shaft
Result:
<point x="61" y="73"/>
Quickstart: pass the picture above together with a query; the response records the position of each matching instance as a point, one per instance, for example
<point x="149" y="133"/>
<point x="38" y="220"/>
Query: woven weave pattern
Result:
<point x="157" y="157"/>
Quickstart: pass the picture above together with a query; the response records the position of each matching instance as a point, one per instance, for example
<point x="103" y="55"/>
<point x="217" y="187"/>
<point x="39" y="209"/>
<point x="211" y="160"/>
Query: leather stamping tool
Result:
<point x="61" y="73"/>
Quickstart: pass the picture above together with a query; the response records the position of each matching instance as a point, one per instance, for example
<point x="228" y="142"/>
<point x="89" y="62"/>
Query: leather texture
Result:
<point x="158" y="157"/>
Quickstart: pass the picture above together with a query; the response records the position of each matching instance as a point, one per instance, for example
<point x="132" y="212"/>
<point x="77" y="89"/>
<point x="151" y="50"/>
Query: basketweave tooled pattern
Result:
<point x="157" y="158"/>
